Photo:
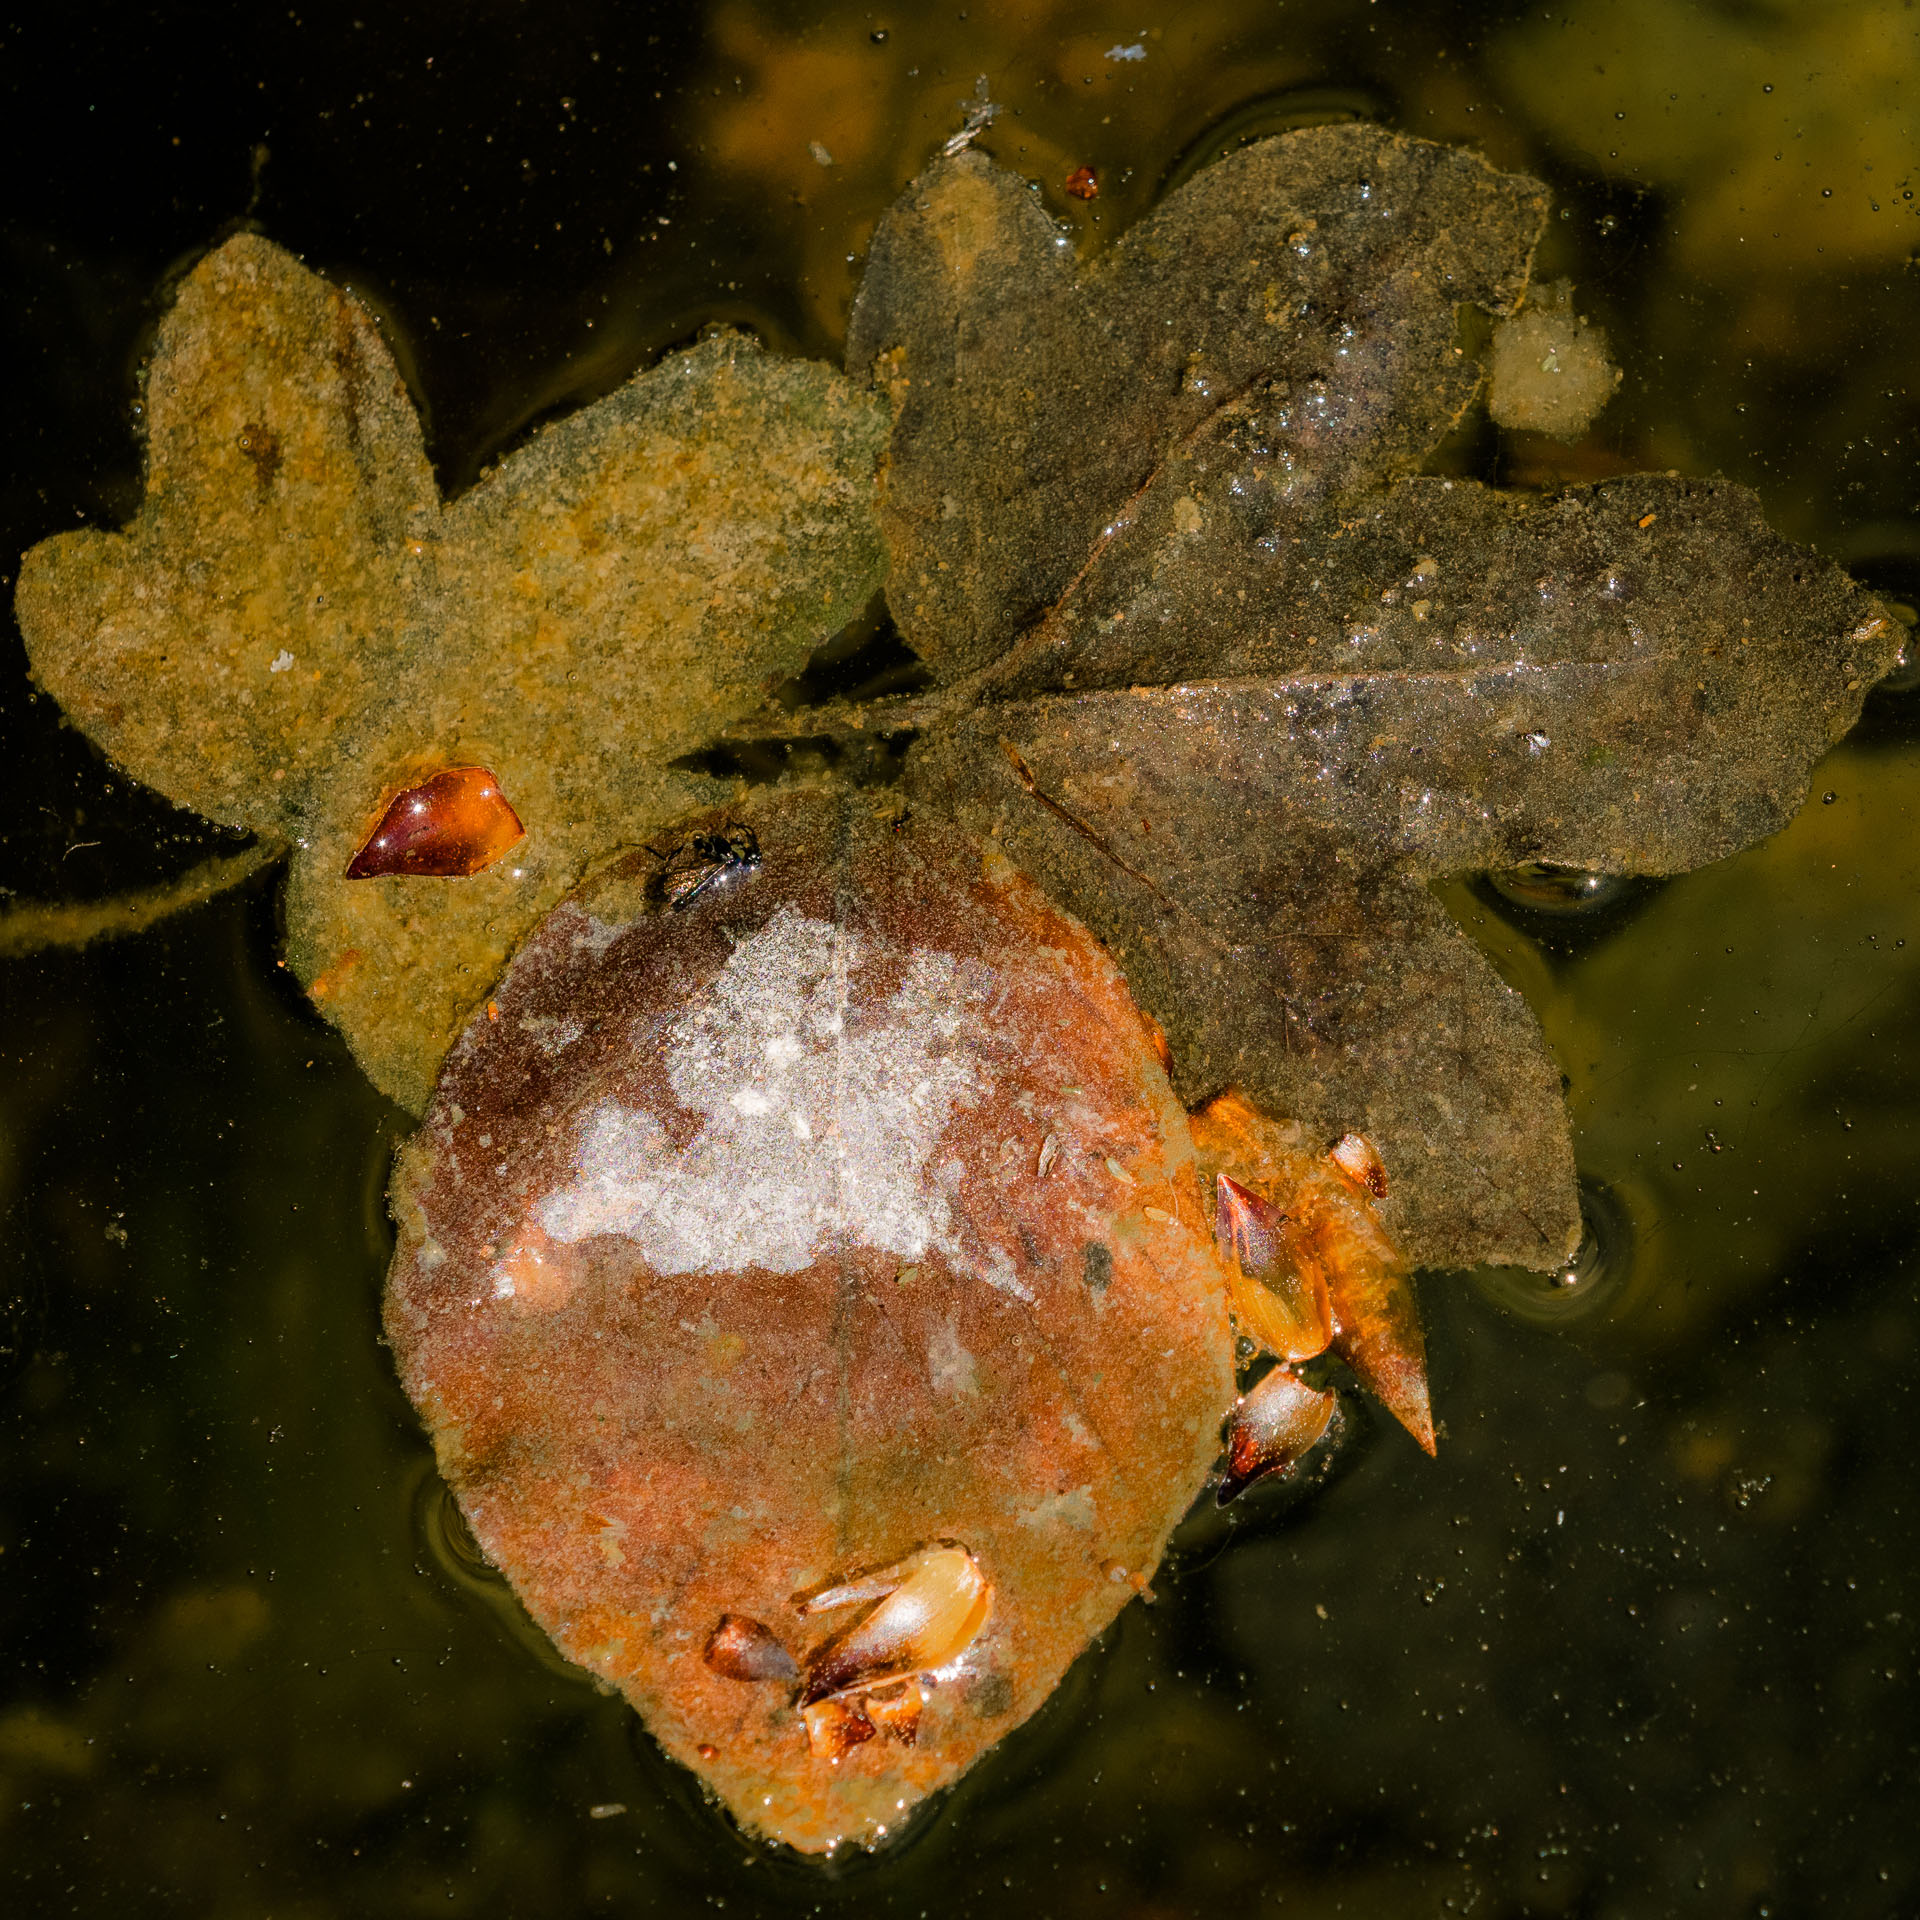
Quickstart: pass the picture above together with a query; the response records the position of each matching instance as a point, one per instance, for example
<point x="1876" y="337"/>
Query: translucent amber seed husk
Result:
<point x="1354" y="1154"/>
<point x="935" y="1604"/>
<point x="455" y="823"/>
<point x="1277" y="1288"/>
<point x="1273" y="1429"/>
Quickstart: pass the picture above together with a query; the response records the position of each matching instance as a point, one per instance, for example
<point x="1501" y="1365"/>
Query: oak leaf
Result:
<point x="295" y="627"/>
<point x="1234" y="682"/>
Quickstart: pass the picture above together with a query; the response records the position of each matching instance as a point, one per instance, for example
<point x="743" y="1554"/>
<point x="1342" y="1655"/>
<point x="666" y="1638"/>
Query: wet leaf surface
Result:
<point x="296" y="628"/>
<point x="1214" y="666"/>
<point x="728" y="1273"/>
<point x="1235" y="691"/>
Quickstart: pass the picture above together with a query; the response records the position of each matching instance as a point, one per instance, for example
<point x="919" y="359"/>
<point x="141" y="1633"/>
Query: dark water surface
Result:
<point x="1641" y="1641"/>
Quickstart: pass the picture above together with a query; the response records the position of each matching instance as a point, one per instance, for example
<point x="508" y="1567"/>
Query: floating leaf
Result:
<point x="295" y="627"/>
<point x="646" y="1297"/>
<point x="1235" y="686"/>
<point x="810" y="1203"/>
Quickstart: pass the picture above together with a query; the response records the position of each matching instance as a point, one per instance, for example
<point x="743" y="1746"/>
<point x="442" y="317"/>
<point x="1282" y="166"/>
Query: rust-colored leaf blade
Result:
<point x="725" y="1130"/>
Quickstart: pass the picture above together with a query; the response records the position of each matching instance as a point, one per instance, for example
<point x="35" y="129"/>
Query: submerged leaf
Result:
<point x="1238" y="691"/>
<point x="647" y="1296"/>
<point x="808" y="1221"/>
<point x="1284" y="321"/>
<point x="295" y="627"/>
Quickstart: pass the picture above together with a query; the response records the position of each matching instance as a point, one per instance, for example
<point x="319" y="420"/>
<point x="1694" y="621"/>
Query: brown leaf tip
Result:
<point x="1083" y="183"/>
<point x="455" y="823"/>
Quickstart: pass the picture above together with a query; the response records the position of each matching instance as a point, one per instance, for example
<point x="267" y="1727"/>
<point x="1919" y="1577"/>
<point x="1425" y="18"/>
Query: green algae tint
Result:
<point x="1641" y="1627"/>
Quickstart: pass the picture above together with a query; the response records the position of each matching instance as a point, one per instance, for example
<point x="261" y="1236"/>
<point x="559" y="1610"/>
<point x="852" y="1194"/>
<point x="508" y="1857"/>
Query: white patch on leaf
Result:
<point x="949" y="1365"/>
<point x="1074" y="1508"/>
<point x="822" y="1111"/>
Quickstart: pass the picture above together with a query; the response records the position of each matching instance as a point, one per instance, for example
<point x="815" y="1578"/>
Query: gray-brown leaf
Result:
<point x="1235" y="691"/>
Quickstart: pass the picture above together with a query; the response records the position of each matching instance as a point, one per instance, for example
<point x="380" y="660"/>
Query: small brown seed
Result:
<point x="835" y="1727"/>
<point x="743" y="1649"/>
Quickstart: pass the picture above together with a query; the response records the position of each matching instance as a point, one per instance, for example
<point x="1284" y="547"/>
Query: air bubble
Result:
<point x="1905" y="677"/>
<point x="1588" y="1285"/>
<point x="1543" y="888"/>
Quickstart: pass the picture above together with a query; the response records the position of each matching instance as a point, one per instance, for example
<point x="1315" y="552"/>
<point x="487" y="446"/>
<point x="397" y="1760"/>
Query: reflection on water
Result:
<point x="1281" y="112"/>
<point x="1642" y="1639"/>
<point x="1562" y="890"/>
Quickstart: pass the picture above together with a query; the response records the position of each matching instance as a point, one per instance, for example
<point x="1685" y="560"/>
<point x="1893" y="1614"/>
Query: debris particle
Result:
<point x="1550" y="370"/>
<point x="981" y="111"/>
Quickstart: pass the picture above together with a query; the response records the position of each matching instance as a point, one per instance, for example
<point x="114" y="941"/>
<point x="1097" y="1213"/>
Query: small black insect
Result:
<point x="696" y="863"/>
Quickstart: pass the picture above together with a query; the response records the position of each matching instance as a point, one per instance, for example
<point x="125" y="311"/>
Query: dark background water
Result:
<point x="1641" y="1641"/>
